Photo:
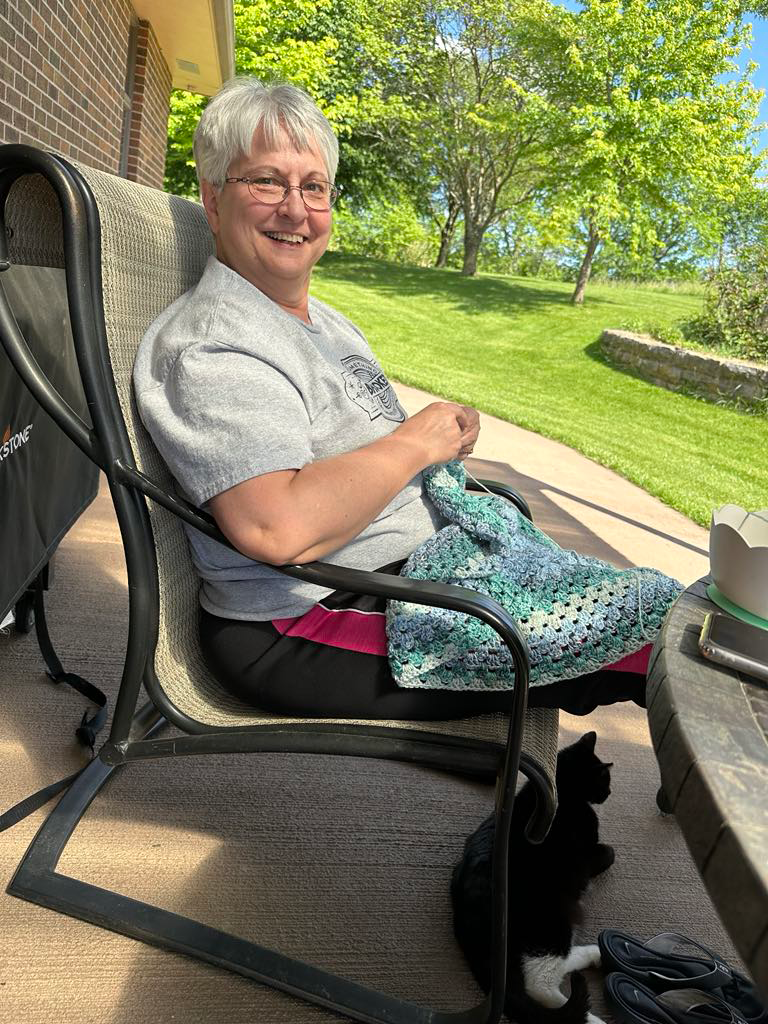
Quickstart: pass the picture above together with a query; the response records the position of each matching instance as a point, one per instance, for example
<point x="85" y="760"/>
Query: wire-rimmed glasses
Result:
<point x="317" y="194"/>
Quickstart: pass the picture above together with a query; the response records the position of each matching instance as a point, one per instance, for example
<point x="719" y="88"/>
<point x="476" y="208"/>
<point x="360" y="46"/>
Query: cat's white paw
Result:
<point x="581" y="957"/>
<point x="592" y="1019"/>
<point x="542" y="977"/>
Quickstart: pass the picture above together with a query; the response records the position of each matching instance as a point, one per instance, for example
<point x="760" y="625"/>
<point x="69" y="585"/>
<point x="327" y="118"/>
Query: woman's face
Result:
<point x="273" y="247"/>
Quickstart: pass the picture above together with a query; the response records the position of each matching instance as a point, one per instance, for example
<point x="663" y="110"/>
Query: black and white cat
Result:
<point x="546" y="884"/>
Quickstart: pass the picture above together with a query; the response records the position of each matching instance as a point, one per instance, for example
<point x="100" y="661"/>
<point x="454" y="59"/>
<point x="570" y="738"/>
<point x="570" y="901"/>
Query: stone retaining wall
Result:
<point x="681" y="369"/>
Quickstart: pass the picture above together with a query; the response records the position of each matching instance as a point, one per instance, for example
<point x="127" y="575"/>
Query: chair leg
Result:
<point x="37" y="880"/>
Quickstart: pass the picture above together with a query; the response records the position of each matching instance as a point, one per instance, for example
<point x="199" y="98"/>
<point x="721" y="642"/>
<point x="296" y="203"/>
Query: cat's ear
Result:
<point x="588" y="740"/>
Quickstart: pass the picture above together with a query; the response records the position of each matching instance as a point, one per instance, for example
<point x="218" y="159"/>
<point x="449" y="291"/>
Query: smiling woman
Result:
<point x="272" y="411"/>
<point x="266" y="160"/>
<point x="272" y="217"/>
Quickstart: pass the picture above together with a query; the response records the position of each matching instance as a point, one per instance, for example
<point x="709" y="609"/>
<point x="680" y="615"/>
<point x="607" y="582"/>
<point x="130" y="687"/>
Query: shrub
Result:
<point x="386" y="231"/>
<point x="736" y="311"/>
<point x="734" y="321"/>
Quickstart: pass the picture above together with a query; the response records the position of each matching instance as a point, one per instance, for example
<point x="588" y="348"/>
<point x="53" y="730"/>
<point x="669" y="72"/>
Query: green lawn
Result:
<point x="516" y="348"/>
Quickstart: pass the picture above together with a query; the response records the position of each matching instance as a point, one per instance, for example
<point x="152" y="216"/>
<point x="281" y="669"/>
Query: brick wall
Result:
<point x="62" y="82"/>
<point x="149" y="113"/>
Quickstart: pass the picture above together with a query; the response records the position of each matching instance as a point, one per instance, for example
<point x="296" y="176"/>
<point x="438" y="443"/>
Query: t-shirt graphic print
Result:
<point x="367" y="386"/>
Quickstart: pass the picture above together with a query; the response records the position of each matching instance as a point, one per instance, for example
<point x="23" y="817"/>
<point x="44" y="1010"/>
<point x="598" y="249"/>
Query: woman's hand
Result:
<point x="470" y="424"/>
<point x="443" y="431"/>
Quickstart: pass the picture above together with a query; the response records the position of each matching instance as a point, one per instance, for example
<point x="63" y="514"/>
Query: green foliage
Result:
<point x="735" y="316"/>
<point x="285" y="40"/>
<point x="533" y="130"/>
<point x="388" y="229"/>
<point x="516" y="244"/>
<point x="332" y="49"/>
<point x="682" y="334"/>
<point x="482" y="120"/>
<point x="736" y="313"/>
<point x="745" y="235"/>
<point x="186" y="108"/>
<point x="654" y="134"/>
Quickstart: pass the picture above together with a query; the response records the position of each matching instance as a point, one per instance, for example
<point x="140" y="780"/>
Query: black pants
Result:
<point x="289" y="675"/>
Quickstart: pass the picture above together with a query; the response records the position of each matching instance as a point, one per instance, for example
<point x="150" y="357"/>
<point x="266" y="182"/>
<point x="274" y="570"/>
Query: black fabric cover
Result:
<point x="45" y="480"/>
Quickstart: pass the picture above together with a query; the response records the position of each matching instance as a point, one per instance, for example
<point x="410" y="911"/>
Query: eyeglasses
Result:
<point x="317" y="195"/>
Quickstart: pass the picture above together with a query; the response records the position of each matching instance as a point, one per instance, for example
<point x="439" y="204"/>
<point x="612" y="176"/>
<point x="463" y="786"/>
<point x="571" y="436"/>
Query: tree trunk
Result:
<point x="447" y="231"/>
<point x="586" y="267"/>
<point x="471" y="249"/>
<point x="473" y="236"/>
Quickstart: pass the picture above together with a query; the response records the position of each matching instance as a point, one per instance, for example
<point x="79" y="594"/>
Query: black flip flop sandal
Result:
<point x="636" y="1003"/>
<point x="670" y="961"/>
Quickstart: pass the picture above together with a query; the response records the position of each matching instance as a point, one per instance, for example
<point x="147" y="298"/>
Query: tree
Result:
<point x="447" y="224"/>
<point x="483" y="122"/>
<point x="387" y="229"/>
<point x="744" y="240"/>
<point x="185" y="111"/>
<point x="339" y="51"/>
<point x="271" y="43"/>
<point x="655" y="134"/>
<point x="333" y="49"/>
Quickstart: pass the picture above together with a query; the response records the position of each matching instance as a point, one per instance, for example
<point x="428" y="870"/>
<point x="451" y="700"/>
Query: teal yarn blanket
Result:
<point x="576" y="612"/>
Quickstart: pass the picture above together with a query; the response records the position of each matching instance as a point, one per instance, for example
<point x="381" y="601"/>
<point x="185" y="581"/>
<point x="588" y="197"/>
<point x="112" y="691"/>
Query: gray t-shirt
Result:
<point x="230" y="386"/>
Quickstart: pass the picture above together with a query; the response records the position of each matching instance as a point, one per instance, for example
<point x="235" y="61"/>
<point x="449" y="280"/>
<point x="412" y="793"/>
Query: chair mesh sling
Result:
<point x="128" y="251"/>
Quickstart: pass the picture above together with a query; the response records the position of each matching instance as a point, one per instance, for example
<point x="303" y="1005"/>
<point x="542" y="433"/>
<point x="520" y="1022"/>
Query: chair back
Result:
<point x="154" y="247"/>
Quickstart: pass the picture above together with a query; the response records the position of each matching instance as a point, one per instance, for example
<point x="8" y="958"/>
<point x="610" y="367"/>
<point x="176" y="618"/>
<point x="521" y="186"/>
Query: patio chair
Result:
<point x="126" y="252"/>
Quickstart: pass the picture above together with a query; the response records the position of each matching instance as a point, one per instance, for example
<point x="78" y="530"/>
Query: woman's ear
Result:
<point x="210" y="197"/>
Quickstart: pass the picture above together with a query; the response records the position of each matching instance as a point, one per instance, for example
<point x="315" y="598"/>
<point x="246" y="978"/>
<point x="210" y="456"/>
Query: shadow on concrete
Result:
<point x="564" y="528"/>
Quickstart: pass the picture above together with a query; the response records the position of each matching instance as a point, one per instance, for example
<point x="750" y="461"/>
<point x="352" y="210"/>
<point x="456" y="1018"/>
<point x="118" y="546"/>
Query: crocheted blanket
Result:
<point x="576" y="612"/>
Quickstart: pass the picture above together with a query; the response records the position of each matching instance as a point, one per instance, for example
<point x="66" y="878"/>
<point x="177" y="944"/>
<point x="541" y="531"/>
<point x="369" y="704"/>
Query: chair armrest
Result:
<point x="504" y="491"/>
<point x="439" y="595"/>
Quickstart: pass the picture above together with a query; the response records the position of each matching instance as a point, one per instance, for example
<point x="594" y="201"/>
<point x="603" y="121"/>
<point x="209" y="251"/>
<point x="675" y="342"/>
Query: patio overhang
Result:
<point x="197" y="38"/>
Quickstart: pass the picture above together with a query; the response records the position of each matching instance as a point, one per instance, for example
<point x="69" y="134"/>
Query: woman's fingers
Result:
<point x="447" y="430"/>
<point x="437" y="430"/>
<point x="468" y="418"/>
<point x="469" y="421"/>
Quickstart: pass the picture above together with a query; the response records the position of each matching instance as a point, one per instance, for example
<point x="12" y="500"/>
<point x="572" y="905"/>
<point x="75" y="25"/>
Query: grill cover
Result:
<point x="45" y="480"/>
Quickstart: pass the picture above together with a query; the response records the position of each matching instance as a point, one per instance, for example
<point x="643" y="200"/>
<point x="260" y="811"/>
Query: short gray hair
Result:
<point x="242" y="106"/>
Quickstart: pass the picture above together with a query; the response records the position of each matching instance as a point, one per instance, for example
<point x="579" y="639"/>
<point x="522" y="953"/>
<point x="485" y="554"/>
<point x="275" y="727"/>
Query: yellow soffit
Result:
<point x="197" y="39"/>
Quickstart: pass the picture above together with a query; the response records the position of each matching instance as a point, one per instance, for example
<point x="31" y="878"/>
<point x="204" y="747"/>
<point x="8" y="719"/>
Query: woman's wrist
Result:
<point x="409" y="451"/>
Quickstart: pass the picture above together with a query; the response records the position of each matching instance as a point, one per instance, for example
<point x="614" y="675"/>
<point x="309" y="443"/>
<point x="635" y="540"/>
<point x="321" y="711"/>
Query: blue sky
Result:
<point x="758" y="53"/>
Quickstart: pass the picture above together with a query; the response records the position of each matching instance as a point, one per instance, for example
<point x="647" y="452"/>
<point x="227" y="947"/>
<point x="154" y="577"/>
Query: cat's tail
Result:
<point x="520" y="1007"/>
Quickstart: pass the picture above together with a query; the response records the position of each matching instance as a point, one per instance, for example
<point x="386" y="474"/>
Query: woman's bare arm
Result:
<point x="295" y="516"/>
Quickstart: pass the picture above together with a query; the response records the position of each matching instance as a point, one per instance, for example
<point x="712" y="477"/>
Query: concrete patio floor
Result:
<point x="342" y="862"/>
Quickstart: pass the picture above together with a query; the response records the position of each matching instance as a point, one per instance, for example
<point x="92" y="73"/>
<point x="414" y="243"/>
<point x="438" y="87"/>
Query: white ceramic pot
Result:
<point x="738" y="557"/>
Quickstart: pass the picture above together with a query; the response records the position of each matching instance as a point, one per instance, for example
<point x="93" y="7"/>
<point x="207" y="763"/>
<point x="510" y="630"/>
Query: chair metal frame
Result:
<point x="134" y="728"/>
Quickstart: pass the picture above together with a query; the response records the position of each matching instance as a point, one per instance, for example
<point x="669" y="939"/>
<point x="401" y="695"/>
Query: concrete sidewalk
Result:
<point x="581" y="504"/>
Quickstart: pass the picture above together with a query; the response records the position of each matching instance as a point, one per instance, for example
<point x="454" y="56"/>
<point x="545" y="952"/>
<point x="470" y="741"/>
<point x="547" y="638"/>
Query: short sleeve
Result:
<point x="222" y="416"/>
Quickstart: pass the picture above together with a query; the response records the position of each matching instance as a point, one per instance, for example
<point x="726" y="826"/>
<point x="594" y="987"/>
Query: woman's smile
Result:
<point x="283" y="238"/>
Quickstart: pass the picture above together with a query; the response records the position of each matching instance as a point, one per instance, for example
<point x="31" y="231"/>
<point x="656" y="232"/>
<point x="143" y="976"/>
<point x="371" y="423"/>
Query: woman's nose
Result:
<point x="292" y="203"/>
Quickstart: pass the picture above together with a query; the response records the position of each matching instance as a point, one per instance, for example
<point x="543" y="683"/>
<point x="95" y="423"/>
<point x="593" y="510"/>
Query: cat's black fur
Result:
<point x="546" y="883"/>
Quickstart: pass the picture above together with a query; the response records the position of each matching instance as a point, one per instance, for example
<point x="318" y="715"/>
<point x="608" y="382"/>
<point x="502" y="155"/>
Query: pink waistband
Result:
<point x="343" y="627"/>
<point x="365" y="632"/>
